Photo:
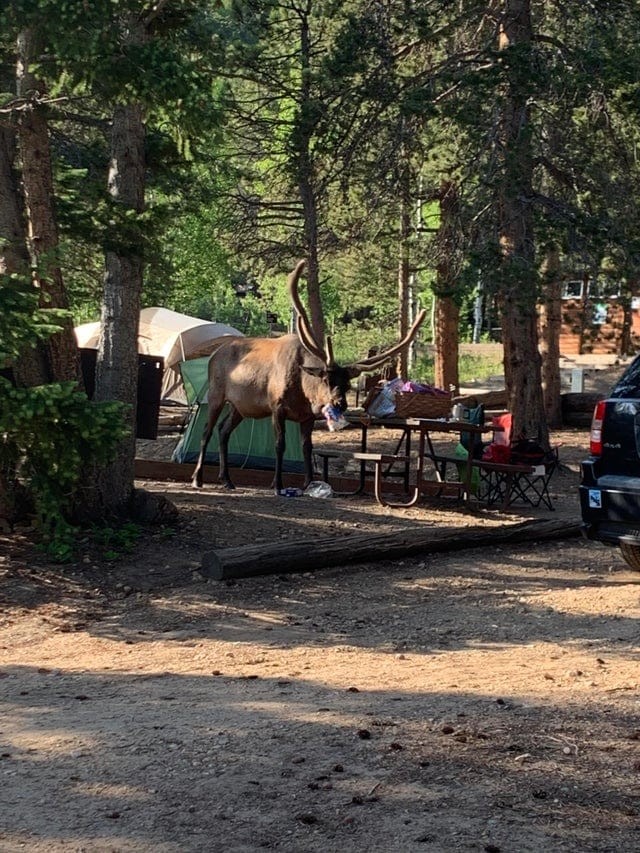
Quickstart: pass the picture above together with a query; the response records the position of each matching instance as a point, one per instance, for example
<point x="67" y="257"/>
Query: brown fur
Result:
<point x="262" y="377"/>
<point x="290" y="378"/>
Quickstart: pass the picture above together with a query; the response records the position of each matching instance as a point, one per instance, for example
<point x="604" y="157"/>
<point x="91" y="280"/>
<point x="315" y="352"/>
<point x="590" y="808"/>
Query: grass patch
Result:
<point x="470" y="367"/>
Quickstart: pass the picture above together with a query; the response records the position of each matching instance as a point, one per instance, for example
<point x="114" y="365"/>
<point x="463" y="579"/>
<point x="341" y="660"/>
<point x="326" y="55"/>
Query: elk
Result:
<point x="288" y="378"/>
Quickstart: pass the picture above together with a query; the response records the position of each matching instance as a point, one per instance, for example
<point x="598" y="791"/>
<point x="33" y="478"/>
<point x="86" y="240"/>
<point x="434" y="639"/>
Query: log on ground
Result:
<point x="577" y="409"/>
<point x="304" y="555"/>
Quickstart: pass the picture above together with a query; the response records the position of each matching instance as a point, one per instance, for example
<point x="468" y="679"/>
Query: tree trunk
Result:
<point x="117" y="362"/>
<point x="447" y="311"/>
<point x="277" y="557"/>
<point x="585" y="312"/>
<point x="316" y="315"/>
<point x="403" y="268"/>
<point x="305" y="170"/>
<point x="626" y="342"/>
<point x="550" y="325"/>
<point x="447" y="315"/>
<point x="14" y="258"/>
<point x="37" y="179"/>
<point x="30" y="369"/>
<point x="518" y="296"/>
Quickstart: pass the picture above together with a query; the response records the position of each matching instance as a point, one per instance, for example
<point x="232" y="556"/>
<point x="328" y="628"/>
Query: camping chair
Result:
<point x="533" y="488"/>
<point x="493" y="484"/>
<point x="521" y="471"/>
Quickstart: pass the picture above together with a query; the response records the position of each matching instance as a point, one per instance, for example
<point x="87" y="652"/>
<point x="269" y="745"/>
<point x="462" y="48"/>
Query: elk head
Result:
<point x="336" y="378"/>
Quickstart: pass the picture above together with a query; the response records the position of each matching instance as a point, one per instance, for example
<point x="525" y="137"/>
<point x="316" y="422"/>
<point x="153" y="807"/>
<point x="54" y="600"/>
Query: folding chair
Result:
<point x="493" y="484"/>
<point x="534" y="488"/>
<point x="508" y="484"/>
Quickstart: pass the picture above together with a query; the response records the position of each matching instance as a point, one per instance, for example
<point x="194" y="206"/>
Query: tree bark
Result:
<point x="403" y="265"/>
<point x="626" y="342"/>
<point x="14" y="257"/>
<point x="117" y="362"/>
<point x="31" y="368"/>
<point x="550" y="320"/>
<point x="447" y="311"/>
<point x="306" y="189"/>
<point x="518" y="292"/>
<point x="278" y="557"/>
<point x="62" y="356"/>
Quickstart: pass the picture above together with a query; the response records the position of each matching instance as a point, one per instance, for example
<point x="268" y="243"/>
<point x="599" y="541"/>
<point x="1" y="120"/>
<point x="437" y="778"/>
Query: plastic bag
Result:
<point x="334" y="418"/>
<point x="384" y="403"/>
<point x="462" y="454"/>
<point x="319" y="489"/>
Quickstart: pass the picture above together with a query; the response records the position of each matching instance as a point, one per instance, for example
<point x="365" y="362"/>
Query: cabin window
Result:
<point x="604" y="289"/>
<point x="572" y="289"/>
<point x="600" y="288"/>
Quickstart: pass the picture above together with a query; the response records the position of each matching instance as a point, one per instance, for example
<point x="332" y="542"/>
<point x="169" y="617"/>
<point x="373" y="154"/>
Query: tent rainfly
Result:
<point x="169" y="335"/>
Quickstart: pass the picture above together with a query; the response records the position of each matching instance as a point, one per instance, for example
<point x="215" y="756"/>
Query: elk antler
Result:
<point x="303" y="326"/>
<point x="375" y="361"/>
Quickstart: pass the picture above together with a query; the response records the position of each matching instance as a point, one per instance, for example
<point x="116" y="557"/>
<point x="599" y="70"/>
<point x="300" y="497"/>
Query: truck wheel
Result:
<point x="631" y="555"/>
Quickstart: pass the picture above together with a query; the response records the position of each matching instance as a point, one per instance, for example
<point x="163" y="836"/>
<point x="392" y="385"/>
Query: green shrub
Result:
<point x="49" y="435"/>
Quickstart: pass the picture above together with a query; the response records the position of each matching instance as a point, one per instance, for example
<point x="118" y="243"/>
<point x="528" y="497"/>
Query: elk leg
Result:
<point x="229" y="423"/>
<point x="198" y="474"/>
<point x="279" y="434"/>
<point x="306" y="428"/>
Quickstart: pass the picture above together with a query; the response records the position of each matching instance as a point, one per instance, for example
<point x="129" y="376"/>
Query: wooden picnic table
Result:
<point x="412" y="467"/>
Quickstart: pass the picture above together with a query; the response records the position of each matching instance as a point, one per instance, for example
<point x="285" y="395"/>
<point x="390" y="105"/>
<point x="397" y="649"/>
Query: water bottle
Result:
<point x="319" y="489"/>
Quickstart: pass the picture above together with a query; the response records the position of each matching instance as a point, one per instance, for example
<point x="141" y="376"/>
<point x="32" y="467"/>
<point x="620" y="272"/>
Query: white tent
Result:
<point x="167" y="334"/>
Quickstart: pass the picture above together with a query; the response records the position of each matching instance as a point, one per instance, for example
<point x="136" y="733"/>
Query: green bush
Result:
<point x="49" y="436"/>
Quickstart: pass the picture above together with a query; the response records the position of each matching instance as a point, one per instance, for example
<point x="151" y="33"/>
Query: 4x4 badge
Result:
<point x="595" y="499"/>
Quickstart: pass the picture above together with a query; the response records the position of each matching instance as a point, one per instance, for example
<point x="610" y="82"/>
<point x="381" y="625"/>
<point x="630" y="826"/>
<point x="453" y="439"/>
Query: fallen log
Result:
<point x="577" y="408"/>
<point x="302" y="556"/>
<point x="490" y="399"/>
<point x="582" y="402"/>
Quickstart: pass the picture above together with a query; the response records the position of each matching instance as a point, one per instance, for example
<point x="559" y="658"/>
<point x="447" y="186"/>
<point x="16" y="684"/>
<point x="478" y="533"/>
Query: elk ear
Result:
<point x="320" y="372"/>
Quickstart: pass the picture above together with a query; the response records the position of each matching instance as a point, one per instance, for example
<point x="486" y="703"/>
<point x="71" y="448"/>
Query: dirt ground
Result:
<point x="483" y="700"/>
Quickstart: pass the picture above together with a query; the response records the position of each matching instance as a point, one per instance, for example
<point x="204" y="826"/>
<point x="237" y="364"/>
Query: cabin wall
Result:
<point x="596" y="326"/>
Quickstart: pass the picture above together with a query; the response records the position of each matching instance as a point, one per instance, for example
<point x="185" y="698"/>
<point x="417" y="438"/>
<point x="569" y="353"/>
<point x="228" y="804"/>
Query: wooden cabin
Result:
<point x="597" y="319"/>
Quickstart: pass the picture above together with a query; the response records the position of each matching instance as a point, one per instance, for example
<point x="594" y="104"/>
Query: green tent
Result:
<point x="251" y="444"/>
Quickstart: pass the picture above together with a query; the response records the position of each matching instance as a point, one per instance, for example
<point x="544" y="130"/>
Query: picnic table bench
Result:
<point x="500" y="483"/>
<point x="379" y="460"/>
<point x="411" y="464"/>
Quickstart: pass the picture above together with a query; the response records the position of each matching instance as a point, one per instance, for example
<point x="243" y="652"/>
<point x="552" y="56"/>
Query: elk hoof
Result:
<point x="195" y="484"/>
<point x="228" y="485"/>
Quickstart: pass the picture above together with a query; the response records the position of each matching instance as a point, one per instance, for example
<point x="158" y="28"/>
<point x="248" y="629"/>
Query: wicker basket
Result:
<point x="413" y="404"/>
